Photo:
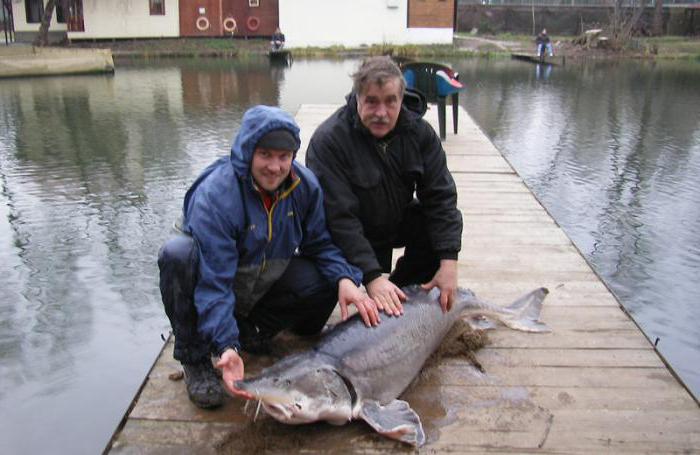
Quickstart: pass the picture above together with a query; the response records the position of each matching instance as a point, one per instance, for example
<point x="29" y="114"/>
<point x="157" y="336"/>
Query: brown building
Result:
<point x="431" y="13"/>
<point x="226" y="17"/>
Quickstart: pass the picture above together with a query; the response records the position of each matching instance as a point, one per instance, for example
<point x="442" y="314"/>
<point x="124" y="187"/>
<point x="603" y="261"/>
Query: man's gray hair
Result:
<point x="376" y="70"/>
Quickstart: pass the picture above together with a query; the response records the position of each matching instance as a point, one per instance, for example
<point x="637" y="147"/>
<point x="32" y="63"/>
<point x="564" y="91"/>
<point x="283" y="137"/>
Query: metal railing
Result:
<point x="626" y="3"/>
<point x="7" y="21"/>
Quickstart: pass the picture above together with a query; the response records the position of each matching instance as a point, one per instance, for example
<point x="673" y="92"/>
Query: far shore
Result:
<point x="465" y="45"/>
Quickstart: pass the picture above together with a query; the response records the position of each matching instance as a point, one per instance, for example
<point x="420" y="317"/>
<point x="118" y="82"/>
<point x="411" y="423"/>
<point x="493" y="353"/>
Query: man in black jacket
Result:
<point x="386" y="185"/>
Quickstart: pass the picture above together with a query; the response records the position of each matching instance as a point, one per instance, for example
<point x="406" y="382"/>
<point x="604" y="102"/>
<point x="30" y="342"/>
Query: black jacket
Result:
<point x="368" y="183"/>
<point x="542" y="39"/>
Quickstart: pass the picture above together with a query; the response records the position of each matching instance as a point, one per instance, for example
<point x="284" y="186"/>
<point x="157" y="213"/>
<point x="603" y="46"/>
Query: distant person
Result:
<point x="543" y="42"/>
<point x="277" y="42"/>
<point x="386" y="185"/>
<point x="254" y="258"/>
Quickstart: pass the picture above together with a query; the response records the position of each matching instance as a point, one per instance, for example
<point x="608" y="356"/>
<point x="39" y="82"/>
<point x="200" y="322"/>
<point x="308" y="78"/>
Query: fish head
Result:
<point x="299" y="390"/>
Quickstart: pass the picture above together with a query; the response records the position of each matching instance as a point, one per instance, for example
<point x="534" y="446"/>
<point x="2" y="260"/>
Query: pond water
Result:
<point x="612" y="150"/>
<point x="93" y="170"/>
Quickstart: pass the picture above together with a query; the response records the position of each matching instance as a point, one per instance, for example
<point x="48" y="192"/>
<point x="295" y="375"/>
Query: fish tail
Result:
<point x="524" y="313"/>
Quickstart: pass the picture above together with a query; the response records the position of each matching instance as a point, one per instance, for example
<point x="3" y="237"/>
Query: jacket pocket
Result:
<point x="365" y="179"/>
<point x="374" y="201"/>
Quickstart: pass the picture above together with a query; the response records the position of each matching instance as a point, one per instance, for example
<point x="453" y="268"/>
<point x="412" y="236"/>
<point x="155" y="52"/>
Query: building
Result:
<point x="98" y="19"/>
<point x="305" y="22"/>
<point x="366" y="22"/>
<point x="247" y="18"/>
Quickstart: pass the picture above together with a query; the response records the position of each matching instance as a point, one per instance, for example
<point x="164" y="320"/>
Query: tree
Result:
<point x="42" y="39"/>
<point x="623" y="21"/>
<point x="658" y="26"/>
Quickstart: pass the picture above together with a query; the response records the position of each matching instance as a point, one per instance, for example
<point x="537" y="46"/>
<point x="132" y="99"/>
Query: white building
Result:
<point x="353" y="23"/>
<point x="322" y="23"/>
<point x="99" y="19"/>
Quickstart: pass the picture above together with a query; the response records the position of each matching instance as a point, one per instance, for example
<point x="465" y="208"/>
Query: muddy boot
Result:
<point x="203" y="385"/>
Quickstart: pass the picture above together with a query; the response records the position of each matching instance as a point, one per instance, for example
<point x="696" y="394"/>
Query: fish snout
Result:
<point x="244" y="385"/>
<point x="279" y="412"/>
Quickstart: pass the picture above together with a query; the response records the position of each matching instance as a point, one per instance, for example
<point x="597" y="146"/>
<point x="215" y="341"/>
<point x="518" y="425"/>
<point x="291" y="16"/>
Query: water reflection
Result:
<point x="543" y="71"/>
<point x="612" y="150"/>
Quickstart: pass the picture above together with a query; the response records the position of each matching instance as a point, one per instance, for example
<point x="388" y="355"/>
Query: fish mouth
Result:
<point x="279" y="411"/>
<point x="267" y="396"/>
<point x="277" y="404"/>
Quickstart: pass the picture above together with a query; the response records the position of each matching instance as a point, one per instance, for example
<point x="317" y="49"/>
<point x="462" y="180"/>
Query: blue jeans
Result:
<point x="301" y="300"/>
<point x="548" y="46"/>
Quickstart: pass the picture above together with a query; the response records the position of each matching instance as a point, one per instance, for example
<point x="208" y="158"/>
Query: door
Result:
<point x="74" y="21"/>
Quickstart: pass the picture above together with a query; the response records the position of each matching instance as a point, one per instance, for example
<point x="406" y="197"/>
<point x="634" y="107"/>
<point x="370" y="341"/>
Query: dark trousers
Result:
<point x="419" y="262"/>
<point x="301" y="300"/>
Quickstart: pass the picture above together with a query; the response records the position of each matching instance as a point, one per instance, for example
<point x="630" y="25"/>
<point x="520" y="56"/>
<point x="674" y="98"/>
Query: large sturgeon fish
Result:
<point x="357" y="372"/>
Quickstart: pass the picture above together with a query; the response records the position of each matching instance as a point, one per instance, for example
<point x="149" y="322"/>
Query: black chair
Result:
<point x="415" y="101"/>
<point x="436" y="82"/>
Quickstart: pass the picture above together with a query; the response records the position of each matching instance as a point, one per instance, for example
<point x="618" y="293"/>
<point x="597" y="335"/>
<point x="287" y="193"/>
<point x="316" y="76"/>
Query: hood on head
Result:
<point x="257" y="122"/>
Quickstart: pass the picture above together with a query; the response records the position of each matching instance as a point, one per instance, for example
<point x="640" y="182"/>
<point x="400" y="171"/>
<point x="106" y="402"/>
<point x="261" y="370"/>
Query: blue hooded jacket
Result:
<point x="243" y="247"/>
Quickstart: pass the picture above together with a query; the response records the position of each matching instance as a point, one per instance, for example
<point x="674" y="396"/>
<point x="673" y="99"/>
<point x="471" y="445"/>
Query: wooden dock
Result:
<point x="556" y="60"/>
<point x="593" y="385"/>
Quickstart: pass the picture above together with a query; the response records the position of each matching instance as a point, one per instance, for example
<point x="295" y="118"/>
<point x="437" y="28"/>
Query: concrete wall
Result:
<point x="127" y="19"/>
<point x="353" y="23"/>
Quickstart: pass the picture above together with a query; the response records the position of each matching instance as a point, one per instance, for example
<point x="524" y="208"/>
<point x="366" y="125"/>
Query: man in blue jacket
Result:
<point x="256" y="258"/>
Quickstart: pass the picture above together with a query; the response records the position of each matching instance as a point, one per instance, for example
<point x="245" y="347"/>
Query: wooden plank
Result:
<point x="478" y="163"/>
<point x="555" y="398"/>
<point x="571" y="293"/>
<point x="607" y="379"/>
<point x="570" y="339"/>
<point x="557" y="357"/>
<point x="484" y="180"/>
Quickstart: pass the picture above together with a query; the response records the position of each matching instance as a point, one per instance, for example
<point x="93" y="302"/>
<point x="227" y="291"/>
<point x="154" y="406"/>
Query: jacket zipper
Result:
<point x="269" y="218"/>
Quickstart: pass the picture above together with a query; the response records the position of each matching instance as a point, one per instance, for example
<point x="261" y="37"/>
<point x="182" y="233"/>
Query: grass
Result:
<point x="662" y="47"/>
<point x="675" y="46"/>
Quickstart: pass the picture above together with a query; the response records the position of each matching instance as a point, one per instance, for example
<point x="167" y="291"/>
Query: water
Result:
<point x="612" y="150"/>
<point x="93" y="170"/>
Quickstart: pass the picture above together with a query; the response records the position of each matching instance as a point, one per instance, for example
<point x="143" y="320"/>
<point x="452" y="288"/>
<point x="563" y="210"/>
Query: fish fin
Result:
<point x="479" y="322"/>
<point x="525" y="312"/>
<point x="396" y="420"/>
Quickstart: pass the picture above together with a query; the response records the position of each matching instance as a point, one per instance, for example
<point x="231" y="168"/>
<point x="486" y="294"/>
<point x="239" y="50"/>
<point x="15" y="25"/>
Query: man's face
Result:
<point x="270" y="167"/>
<point x="379" y="107"/>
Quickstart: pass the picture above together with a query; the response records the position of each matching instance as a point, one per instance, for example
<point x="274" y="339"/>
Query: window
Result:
<point x="34" y="10"/>
<point x="253" y="3"/>
<point x="157" y="7"/>
<point x="60" y="14"/>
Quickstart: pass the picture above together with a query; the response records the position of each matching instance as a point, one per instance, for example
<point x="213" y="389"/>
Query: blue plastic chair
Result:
<point x="436" y="82"/>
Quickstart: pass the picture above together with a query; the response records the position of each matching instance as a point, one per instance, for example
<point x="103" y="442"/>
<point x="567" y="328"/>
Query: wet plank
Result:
<point x="593" y="385"/>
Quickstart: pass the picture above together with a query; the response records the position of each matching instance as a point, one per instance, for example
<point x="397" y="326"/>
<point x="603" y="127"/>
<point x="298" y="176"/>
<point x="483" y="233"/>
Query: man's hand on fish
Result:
<point x="231" y="366"/>
<point x="349" y="294"/>
<point x="445" y="279"/>
<point x="387" y="295"/>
